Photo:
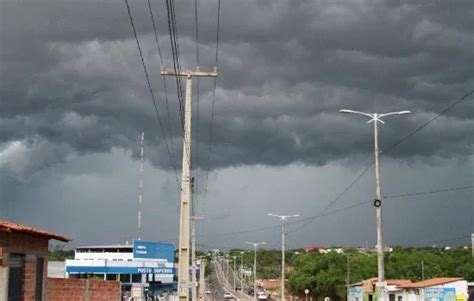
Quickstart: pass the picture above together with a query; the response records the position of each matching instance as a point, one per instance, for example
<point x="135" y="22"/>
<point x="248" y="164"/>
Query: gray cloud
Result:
<point x="71" y="77"/>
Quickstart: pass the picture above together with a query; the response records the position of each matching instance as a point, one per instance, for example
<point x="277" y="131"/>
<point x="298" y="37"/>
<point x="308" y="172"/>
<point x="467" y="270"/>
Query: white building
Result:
<point x="146" y="264"/>
<point x="435" y="289"/>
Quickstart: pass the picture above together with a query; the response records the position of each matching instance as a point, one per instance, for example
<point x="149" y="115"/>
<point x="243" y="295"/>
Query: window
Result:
<point x="136" y="278"/>
<point x="111" y="276"/>
<point x="371" y="298"/>
<point x="399" y="298"/>
<point x="391" y="297"/>
<point x="125" y="278"/>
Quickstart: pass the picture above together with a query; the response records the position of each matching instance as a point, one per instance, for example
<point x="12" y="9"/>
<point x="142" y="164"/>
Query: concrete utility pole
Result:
<point x="374" y="117"/>
<point x="202" y="282"/>
<point x="472" y="244"/>
<point x="283" y="219"/>
<point x="193" y="256"/>
<point x="255" y="245"/>
<point x="183" y="269"/>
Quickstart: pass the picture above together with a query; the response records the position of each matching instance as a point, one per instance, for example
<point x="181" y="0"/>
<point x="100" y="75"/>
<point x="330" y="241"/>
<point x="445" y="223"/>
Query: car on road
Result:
<point x="262" y="296"/>
<point x="207" y="292"/>
<point x="228" y="296"/>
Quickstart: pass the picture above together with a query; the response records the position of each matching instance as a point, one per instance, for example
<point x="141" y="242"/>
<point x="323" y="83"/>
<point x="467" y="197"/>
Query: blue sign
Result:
<point x="440" y="294"/>
<point x="153" y="250"/>
<point x="355" y="294"/>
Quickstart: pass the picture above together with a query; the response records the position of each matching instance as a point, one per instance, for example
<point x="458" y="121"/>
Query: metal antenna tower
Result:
<point x="140" y="188"/>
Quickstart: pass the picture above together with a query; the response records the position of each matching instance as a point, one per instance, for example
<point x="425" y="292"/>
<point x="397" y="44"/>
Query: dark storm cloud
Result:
<point x="72" y="80"/>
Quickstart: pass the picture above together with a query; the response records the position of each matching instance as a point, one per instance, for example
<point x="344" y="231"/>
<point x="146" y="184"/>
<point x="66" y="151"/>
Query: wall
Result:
<point x="3" y="283"/>
<point x="23" y="243"/>
<point x="460" y="287"/>
<point x="64" y="289"/>
<point x="32" y="247"/>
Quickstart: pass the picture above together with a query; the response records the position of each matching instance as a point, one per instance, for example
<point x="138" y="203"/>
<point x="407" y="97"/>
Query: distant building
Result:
<point x="145" y="264"/>
<point x="322" y="249"/>
<point x="313" y="248"/>
<point x="24" y="261"/>
<point x="435" y="289"/>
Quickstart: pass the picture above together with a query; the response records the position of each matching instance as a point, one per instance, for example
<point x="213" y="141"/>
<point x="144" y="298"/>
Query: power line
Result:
<point x="416" y="130"/>
<point x="147" y="77"/>
<point x="197" y="31"/>
<point x="324" y="211"/>
<point x="154" y="30"/>
<point x="428" y="192"/>
<point x="439" y="240"/>
<point x="359" y="203"/>
<point x="211" y="130"/>
<point x="174" y="42"/>
<point x="196" y="171"/>
<point x="422" y="126"/>
<point x="321" y="213"/>
<point x="164" y="82"/>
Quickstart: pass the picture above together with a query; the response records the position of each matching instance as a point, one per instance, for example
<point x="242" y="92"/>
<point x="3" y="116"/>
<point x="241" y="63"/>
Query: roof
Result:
<point x="8" y="226"/>
<point x="404" y="283"/>
<point x="432" y="282"/>
<point x="105" y="247"/>
<point x="313" y="248"/>
<point x="373" y="281"/>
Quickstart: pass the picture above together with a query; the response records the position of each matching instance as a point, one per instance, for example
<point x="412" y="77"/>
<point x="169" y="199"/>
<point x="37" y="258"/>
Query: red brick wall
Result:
<point x="62" y="289"/>
<point x="29" y="278"/>
<point x="23" y="243"/>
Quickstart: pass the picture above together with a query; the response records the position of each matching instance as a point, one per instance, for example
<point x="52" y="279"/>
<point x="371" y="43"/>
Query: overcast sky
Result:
<point x="74" y="101"/>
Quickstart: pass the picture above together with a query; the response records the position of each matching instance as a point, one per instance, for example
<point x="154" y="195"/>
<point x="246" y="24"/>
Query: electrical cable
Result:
<point x="359" y="203"/>
<point x="413" y="132"/>
<point x="196" y="168"/>
<point x="211" y="130"/>
<point x="173" y="34"/>
<point x="164" y="82"/>
<point x="425" y="124"/>
<point x="147" y="77"/>
<point x="428" y="192"/>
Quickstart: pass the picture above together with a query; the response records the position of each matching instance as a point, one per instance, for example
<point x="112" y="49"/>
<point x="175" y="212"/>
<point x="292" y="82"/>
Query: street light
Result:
<point x="233" y="272"/>
<point x="374" y="117"/>
<point x="241" y="270"/>
<point x="255" y="245"/>
<point x="283" y="219"/>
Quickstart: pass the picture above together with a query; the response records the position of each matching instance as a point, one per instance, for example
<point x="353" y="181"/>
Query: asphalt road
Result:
<point x="218" y="285"/>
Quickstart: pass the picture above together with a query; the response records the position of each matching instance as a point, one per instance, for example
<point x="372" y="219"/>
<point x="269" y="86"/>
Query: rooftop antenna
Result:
<point x="140" y="188"/>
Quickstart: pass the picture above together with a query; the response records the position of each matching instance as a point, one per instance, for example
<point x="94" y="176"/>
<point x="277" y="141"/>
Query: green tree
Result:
<point x="59" y="253"/>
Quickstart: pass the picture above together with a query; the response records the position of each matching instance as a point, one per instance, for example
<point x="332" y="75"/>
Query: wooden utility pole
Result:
<point x="183" y="268"/>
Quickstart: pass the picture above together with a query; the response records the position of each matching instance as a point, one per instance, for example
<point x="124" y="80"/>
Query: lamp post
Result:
<point x="233" y="272"/>
<point x="375" y="117"/>
<point x="241" y="270"/>
<point x="283" y="219"/>
<point x="255" y="245"/>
